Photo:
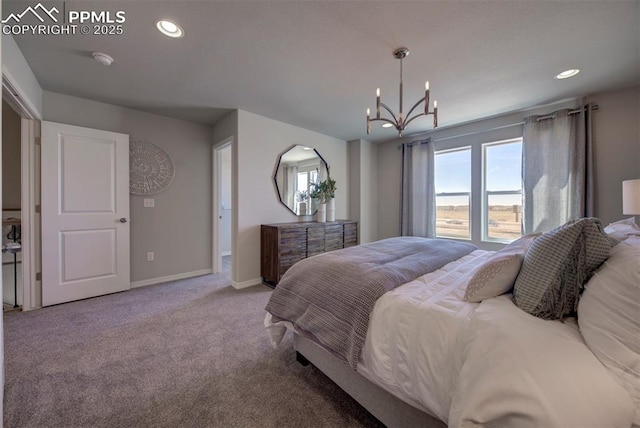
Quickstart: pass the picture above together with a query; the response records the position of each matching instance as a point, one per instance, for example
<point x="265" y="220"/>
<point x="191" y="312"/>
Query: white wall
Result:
<point x="616" y="152"/>
<point x="259" y="142"/>
<point x="178" y="229"/>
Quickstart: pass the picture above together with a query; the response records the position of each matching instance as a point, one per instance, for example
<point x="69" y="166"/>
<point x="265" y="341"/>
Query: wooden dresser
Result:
<point x="283" y="244"/>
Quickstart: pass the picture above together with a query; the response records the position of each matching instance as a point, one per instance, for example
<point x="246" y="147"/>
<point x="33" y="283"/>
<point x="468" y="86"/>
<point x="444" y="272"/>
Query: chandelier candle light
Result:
<point x="401" y="121"/>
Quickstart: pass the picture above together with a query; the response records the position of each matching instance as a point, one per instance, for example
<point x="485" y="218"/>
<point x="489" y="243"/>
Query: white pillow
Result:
<point x="609" y="316"/>
<point x="633" y="240"/>
<point x="622" y="229"/>
<point x="523" y="371"/>
<point x="497" y="275"/>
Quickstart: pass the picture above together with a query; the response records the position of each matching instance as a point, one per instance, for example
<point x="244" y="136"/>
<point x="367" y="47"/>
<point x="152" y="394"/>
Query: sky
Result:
<point x="503" y="166"/>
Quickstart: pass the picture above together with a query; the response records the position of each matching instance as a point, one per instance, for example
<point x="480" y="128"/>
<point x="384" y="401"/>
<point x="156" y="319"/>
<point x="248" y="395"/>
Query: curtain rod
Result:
<point x="424" y="140"/>
<point x="480" y="132"/>
<point x="578" y="110"/>
<point x="550" y="116"/>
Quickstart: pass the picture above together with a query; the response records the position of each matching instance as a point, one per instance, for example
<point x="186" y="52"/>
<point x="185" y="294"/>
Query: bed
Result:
<point x="476" y="338"/>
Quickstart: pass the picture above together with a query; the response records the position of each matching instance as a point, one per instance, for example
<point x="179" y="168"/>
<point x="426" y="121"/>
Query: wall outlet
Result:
<point x="150" y="256"/>
<point x="149" y="202"/>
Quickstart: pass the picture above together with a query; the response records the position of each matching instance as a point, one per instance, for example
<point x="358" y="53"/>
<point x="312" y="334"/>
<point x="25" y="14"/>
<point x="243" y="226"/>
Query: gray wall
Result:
<point x="16" y="70"/>
<point x="616" y="152"/>
<point x="616" y="147"/>
<point x="178" y="229"/>
<point x="11" y="158"/>
<point x="363" y="188"/>
<point x="259" y="142"/>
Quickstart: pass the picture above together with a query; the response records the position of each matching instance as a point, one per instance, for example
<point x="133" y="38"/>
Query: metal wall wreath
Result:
<point x="150" y="168"/>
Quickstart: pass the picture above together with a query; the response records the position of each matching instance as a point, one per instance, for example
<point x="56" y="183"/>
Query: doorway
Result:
<point x="222" y="206"/>
<point x="12" y="284"/>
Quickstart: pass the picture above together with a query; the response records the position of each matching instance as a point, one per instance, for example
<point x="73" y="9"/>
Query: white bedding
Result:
<point x="483" y="364"/>
<point x="412" y="345"/>
<point x="523" y="371"/>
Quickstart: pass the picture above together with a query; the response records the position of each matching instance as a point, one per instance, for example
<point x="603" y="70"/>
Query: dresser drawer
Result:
<point x="315" y="241"/>
<point x="284" y="244"/>
<point x="334" y="237"/>
<point x="350" y="234"/>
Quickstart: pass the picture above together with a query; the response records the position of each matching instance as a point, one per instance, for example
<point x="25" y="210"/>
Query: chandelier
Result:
<point x="401" y="121"/>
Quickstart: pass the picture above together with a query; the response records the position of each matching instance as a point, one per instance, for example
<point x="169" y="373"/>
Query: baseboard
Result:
<point x="168" y="278"/>
<point x="245" y="284"/>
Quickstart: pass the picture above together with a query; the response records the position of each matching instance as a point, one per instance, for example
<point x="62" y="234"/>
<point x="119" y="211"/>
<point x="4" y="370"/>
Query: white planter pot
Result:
<point x="322" y="213"/>
<point x="331" y="210"/>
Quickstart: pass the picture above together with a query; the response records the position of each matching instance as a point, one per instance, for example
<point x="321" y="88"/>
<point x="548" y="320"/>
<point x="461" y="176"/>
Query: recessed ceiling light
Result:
<point x="568" y="73"/>
<point x="169" y="28"/>
<point x="387" y="125"/>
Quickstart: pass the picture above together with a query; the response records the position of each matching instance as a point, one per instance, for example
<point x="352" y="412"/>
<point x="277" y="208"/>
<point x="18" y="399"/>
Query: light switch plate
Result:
<point x="149" y="203"/>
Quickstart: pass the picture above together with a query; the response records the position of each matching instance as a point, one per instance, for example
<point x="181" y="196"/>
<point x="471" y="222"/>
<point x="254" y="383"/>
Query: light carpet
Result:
<point x="190" y="353"/>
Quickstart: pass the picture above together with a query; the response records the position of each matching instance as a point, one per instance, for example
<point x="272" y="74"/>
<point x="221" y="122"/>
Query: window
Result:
<point x="502" y="190"/>
<point x="452" y="169"/>
<point x="304" y="205"/>
<point x="478" y="190"/>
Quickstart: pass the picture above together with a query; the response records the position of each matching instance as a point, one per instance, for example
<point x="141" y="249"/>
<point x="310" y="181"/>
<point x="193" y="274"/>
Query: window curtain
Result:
<point x="418" y="193"/>
<point x="557" y="169"/>
<point x="290" y="184"/>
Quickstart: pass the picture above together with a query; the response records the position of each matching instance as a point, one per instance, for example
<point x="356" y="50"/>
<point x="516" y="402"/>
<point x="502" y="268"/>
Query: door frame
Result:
<point x="29" y="192"/>
<point x="216" y="198"/>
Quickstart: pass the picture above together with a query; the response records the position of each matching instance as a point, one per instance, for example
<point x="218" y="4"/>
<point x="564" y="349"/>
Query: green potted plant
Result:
<point x="318" y="191"/>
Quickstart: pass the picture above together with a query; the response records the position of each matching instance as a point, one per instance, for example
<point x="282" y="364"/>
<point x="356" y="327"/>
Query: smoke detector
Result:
<point x="102" y="58"/>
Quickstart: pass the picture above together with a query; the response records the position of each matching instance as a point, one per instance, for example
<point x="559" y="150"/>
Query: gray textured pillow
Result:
<point x="556" y="267"/>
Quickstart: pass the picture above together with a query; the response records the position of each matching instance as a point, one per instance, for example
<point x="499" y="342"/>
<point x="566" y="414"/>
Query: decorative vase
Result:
<point x="331" y="210"/>
<point x="302" y="208"/>
<point x="322" y="212"/>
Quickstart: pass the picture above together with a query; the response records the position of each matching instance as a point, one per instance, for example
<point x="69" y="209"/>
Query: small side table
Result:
<point x="14" y="246"/>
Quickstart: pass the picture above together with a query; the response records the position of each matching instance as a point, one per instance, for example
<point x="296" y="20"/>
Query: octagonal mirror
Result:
<point x="297" y="168"/>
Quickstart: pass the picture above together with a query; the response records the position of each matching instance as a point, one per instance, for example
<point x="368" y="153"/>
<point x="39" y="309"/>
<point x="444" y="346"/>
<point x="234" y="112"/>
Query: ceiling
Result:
<point x="298" y="153"/>
<point x="317" y="64"/>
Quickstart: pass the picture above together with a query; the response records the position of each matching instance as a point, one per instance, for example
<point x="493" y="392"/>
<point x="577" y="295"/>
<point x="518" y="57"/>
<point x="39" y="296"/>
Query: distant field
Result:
<point x="453" y="221"/>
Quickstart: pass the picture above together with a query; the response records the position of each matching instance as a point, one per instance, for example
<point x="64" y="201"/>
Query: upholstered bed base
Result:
<point x="389" y="410"/>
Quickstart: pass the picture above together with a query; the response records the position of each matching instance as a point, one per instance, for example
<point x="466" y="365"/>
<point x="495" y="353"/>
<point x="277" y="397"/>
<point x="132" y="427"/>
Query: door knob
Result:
<point x="123" y="219"/>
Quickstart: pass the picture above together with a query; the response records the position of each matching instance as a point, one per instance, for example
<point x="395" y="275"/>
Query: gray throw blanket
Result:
<point x="329" y="297"/>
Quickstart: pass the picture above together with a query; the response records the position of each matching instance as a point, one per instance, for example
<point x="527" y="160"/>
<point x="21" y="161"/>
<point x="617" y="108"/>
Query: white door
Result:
<point x="85" y="213"/>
